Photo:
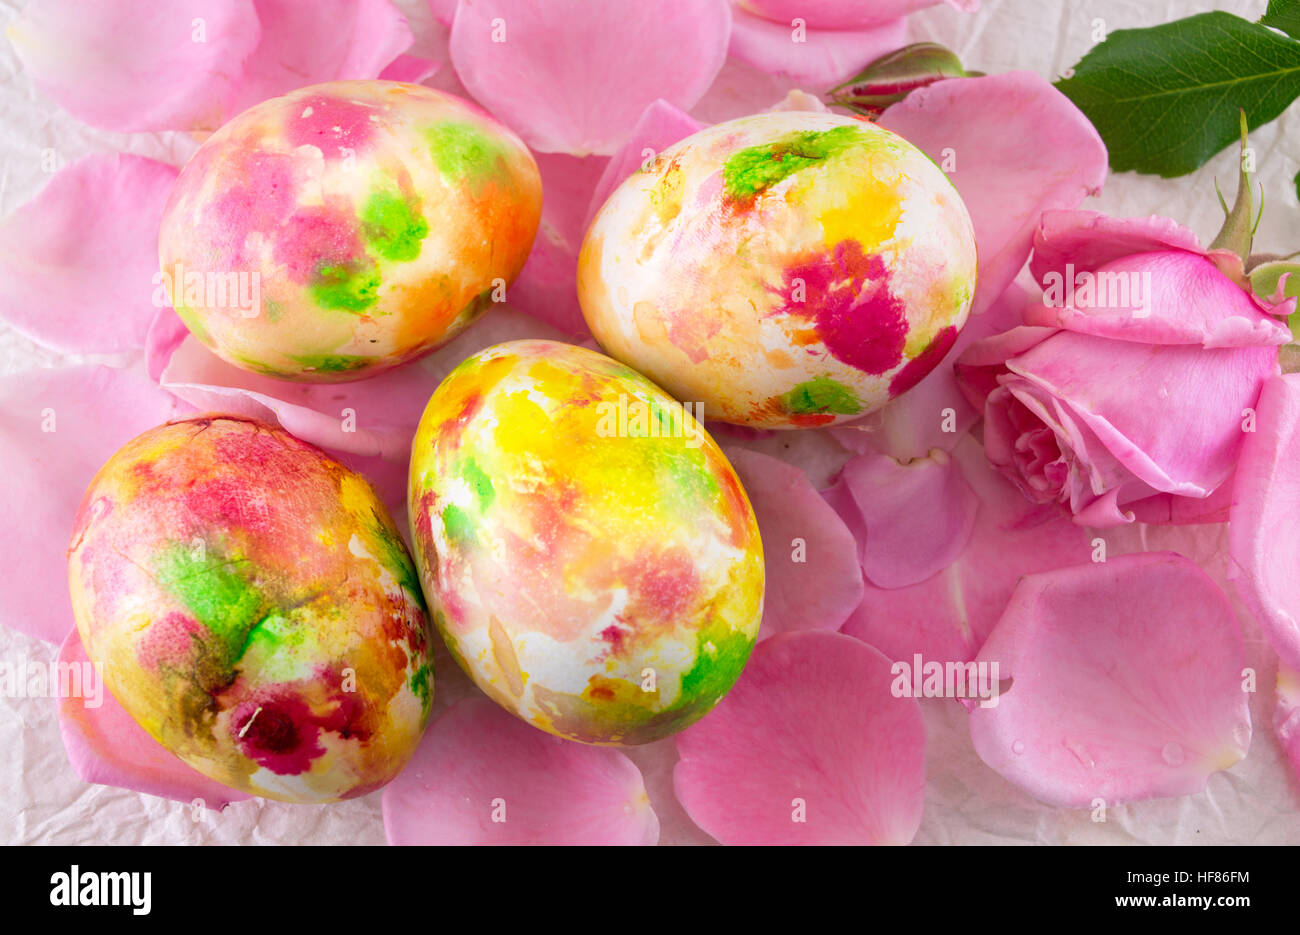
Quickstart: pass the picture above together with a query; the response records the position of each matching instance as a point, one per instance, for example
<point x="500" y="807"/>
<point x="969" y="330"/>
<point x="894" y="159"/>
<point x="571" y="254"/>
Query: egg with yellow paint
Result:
<point x="253" y="607"/>
<point x="589" y="555"/>
<point x="783" y="270"/>
<point x="346" y="228"/>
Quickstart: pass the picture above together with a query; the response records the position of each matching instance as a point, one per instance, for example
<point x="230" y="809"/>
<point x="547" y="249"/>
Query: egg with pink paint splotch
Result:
<point x="589" y="556"/>
<point x="783" y="270"/>
<point x="346" y="228"/>
<point x="254" y="609"/>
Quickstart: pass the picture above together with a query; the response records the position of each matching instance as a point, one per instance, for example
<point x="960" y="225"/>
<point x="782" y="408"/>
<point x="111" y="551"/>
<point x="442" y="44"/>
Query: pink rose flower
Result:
<point x="1127" y="392"/>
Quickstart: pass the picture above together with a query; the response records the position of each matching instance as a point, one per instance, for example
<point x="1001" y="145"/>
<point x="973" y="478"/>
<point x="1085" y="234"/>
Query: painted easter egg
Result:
<point x="588" y="554"/>
<point x="784" y="270"/>
<point x="254" y="609"/>
<point x="345" y="228"/>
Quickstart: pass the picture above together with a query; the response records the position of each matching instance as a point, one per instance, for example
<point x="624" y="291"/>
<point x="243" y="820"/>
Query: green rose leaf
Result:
<point x="1283" y="15"/>
<point x="1167" y="98"/>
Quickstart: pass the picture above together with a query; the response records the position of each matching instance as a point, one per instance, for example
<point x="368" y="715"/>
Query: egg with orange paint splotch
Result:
<point x="784" y="270"/>
<point x="254" y="609"/>
<point x="346" y="228"/>
<point x="589" y="555"/>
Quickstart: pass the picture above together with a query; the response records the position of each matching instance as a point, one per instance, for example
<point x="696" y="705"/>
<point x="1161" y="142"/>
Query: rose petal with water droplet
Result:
<point x="1136" y="660"/>
<point x="812" y="746"/>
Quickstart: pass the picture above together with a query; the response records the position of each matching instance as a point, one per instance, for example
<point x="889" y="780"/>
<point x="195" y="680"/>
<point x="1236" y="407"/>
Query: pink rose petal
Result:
<point x="813" y="578"/>
<point x="740" y="90"/>
<point x="367" y="417"/>
<point x="997" y="349"/>
<point x="1166" y="509"/>
<point x="1264" y="538"/>
<point x="810" y="747"/>
<point x="727" y="430"/>
<point x="917" y="517"/>
<point x="581" y="88"/>
<point x="136" y="65"/>
<point x="547" y="286"/>
<point x="128" y="65"/>
<point x="660" y="126"/>
<point x="106" y="747"/>
<point x="1286" y="716"/>
<point x="1108" y="387"/>
<point x="840" y="499"/>
<point x="1005" y="183"/>
<point x="377" y="416"/>
<point x="844" y="14"/>
<point x="1125" y="683"/>
<point x="948" y="616"/>
<point x="56" y="428"/>
<point x="444" y="11"/>
<point x="818" y="58"/>
<point x="1161" y="297"/>
<point x="481" y="776"/>
<point x="325" y="40"/>
<point x="410" y="69"/>
<point x="1089" y="239"/>
<point x="78" y="261"/>
<point x="166" y="333"/>
<point x="570" y="183"/>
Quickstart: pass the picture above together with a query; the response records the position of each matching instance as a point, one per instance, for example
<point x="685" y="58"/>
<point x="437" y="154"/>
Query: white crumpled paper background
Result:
<point x="1256" y="802"/>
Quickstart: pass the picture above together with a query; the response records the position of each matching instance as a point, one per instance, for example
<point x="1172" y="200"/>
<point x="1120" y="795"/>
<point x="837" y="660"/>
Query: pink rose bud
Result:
<point x="892" y="77"/>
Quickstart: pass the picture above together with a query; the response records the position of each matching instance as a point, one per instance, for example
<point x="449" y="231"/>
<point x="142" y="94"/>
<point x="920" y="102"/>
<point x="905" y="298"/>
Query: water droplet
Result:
<point x="1172" y="754"/>
<point x="1080" y="753"/>
<point x="1018" y="748"/>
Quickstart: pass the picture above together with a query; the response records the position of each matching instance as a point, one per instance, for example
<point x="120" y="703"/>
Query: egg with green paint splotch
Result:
<point x="588" y="554"/>
<point x="345" y="228"/>
<point x="254" y="609"/>
<point x="784" y="270"/>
